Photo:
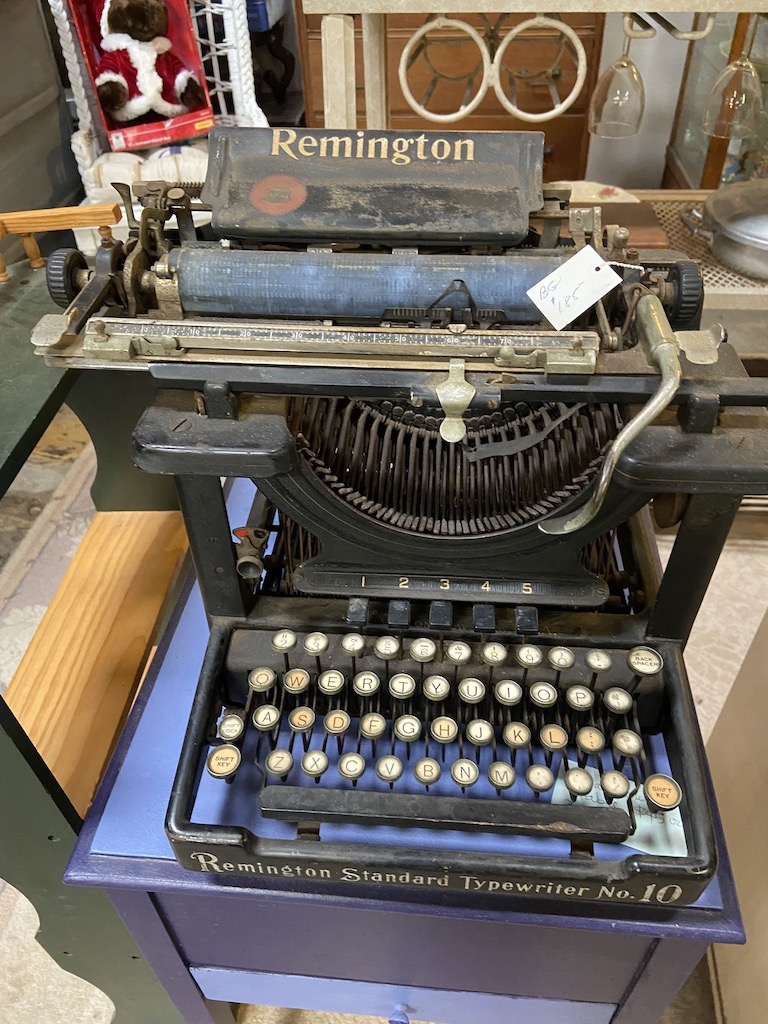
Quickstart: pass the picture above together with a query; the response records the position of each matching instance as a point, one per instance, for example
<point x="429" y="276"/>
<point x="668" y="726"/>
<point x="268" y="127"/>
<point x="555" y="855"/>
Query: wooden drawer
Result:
<point x="382" y="1001"/>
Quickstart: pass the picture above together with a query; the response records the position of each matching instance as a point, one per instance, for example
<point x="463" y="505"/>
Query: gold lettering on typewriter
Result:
<point x="398" y="149"/>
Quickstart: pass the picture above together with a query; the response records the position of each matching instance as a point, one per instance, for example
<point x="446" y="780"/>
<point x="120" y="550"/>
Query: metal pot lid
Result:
<point x="740" y="212"/>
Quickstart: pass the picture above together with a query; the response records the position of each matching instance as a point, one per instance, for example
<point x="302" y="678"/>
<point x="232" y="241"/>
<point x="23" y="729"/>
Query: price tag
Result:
<point x="571" y="289"/>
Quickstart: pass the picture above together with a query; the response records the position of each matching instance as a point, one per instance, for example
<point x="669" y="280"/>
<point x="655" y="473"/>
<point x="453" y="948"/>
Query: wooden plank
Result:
<point x="375" y="71"/>
<point x="65" y="217"/>
<point x="338" y="41"/>
<point x="77" y="680"/>
<point x="529" y="6"/>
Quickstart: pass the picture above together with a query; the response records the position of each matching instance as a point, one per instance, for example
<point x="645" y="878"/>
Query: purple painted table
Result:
<point x="212" y="941"/>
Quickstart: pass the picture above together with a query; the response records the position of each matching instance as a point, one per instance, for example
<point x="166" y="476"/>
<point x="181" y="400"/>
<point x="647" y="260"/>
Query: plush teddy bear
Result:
<point x="138" y="76"/>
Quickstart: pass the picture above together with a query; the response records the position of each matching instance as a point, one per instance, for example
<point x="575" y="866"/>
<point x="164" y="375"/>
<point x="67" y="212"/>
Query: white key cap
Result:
<point x="598" y="661"/>
<point x="627" y="743"/>
<point x="423" y="649"/>
<point x="464" y="772"/>
<point x="644" y="661"/>
<point x="427" y="771"/>
<point x="560" y="658"/>
<point x="444" y="729"/>
<point x="386" y="647"/>
<point x="501" y="775"/>
<point x="543" y="695"/>
<point x="528" y="656"/>
<point x="296" y="680"/>
<point x="618" y="700"/>
<point x="351" y="766"/>
<point x="436" y="688"/>
<point x="336" y="722"/>
<point x="479" y="732"/>
<point x="614" y="784"/>
<point x="516" y="735"/>
<point x="579" y="697"/>
<point x="330" y="682"/>
<point x="662" y="792"/>
<point x="265" y="717"/>
<point x="372" y="725"/>
<point x="365" y="683"/>
<point x="353" y="644"/>
<point x="314" y="763"/>
<point x="279" y="762"/>
<point x="457" y="652"/>
<point x="223" y="761"/>
<point x="539" y="778"/>
<point x="590" y="740"/>
<point x="578" y="781"/>
<point x="231" y="727"/>
<point x="402" y="686"/>
<point x="493" y="653"/>
<point x="301" y="719"/>
<point x="389" y="768"/>
<point x="262" y="679"/>
<point x="471" y="690"/>
<point x="407" y="728"/>
<point x="283" y="641"/>
<point x="553" y="737"/>
<point x="316" y="643"/>
<point x="508" y="692"/>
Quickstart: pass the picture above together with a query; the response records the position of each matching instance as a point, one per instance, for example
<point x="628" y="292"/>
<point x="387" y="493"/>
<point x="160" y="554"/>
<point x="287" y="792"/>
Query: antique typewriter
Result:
<point x="443" y="656"/>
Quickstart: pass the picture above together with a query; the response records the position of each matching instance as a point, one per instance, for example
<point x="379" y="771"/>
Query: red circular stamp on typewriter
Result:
<point x="279" y="193"/>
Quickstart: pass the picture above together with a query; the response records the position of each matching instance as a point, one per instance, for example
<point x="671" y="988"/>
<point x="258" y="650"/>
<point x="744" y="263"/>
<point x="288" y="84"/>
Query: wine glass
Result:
<point x="734" y="101"/>
<point x="617" y="104"/>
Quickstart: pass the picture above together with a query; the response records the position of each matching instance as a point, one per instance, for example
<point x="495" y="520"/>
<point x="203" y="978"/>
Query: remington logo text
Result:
<point x="398" y="149"/>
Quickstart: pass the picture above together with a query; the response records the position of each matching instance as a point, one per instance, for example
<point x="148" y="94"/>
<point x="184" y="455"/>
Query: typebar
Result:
<point x="409" y="810"/>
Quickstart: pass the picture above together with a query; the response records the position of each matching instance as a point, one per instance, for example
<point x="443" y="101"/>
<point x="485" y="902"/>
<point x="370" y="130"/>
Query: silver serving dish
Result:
<point x="734" y="222"/>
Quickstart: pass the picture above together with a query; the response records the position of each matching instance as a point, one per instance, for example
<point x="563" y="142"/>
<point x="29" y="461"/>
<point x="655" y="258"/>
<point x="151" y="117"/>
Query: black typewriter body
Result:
<point x="444" y="658"/>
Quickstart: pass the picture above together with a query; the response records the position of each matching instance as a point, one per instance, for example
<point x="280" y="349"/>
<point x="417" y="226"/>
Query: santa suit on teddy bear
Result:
<point x="140" y="76"/>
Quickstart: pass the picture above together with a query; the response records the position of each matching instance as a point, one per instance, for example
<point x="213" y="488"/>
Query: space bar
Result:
<point x="407" y="810"/>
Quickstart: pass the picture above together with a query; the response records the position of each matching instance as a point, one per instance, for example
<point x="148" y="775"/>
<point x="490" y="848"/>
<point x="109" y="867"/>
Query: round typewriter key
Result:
<point x="423" y="649"/>
<point x="614" y="784"/>
<point x="407" y="728"/>
<point x="617" y="700"/>
<point x="316" y="643"/>
<point x="578" y="782"/>
<point x="426" y="771"/>
<point x="389" y="768"/>
<point x="301" y="719"/>
<point x="283" y="641"/>
<point x="516" y="735"/>
<point x="464" y="772"/>
<point x="296" y="680"/>
<point x="336" y="723"/>
<point x="553" y="737"/>
<point x="436" y="688"/>
<point x="560" y="658"/>
<point x="457" y="652"/>
<point x="471" y="691"/>
<point x="353" y="644"/>
<point x="493" y="653"/>
<point x="644" y="661"/>
<point x="365" y="683"/>
<point x="598" y="661"/>
<point x="372" y="725"/>
<point x="543" y="695"/>
<point x="662" y="792"/>
<point x="401" y="685"/>
<point x="444" y="730"/>
<point x="279" y="762"/>
<point x="579" y="697"/>
<point x="528" y="656"/>
<point x="330" y="682"/>
<point x="265" y="717"/>
<point x="314" y="763"/>
<point x="387" y="647"/>
<point x="231" y="727"/>
<point x="351" y="766"/>
<point x="508" y="692"/>
<point x="501" y="775"/>
<point x="539" y="778"/>
<point x="590" y="740"/>
<point x="479" y="732"/>
<point x="260" y="680"/>
<point x="223" y="761"/>
<point x="627" y="743"/>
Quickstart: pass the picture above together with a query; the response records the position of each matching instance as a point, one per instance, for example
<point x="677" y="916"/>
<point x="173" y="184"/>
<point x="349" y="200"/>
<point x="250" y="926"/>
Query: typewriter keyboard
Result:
<point x="416" y="732"/>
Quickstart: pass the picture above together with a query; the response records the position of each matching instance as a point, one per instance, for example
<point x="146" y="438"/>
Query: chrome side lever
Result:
<point x="663" y="350"/>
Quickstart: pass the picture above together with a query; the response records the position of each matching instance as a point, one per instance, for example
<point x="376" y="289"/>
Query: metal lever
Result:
<point x="663" y="349"/>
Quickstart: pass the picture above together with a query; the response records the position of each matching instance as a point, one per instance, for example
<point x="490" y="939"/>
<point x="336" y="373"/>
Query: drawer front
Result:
<point x="410" y="946"/>
<point x="356" y="997"/>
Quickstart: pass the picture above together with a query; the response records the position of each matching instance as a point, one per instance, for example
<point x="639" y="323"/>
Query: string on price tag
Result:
<point x="568" y="291"/>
